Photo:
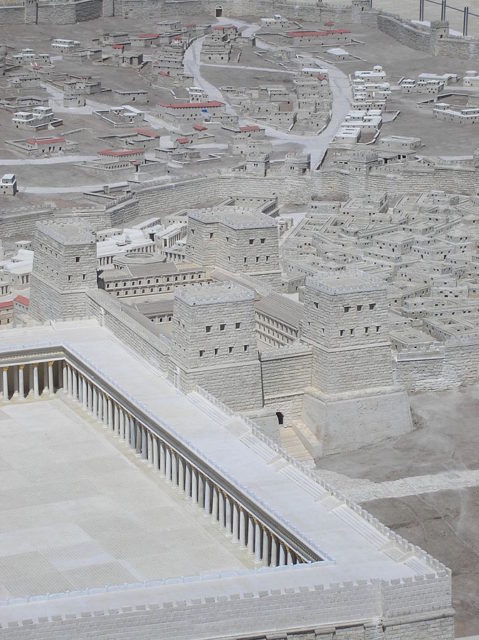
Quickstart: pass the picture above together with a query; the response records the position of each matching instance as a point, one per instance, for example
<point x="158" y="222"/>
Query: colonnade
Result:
<point x="239" y="523"/>
<point x="29" y="380"/>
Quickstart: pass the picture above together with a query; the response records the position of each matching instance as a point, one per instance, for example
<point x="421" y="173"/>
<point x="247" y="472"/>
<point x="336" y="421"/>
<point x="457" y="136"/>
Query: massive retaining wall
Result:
<point x="409" y="180"/>
<point x="435" y="40"/>
<point x="130" y="330"/>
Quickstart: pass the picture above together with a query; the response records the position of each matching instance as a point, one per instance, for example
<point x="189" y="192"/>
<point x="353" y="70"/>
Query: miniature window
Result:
<point x="77" y="259"/>
<point x="222" y="327"/>
<point x="230" y="349"/>
<point x="366" y="329"/>
<point x="216" y="352"/>
<point x="245" y="347"/>
<point x="251" y="241"/>
<point x="263" y="240"/>
<point x="351" y="332"/>
<point x="69" y="278"/>
<point x="372" y="305"/>
<point x="211" y="234"/>
<point x="238" y="325"/>
<point x="346" y="309"/>
<point x="316" y="305"/>
<point x="201" y="353"/>
<point x="341" y="332"/>
<point x="359" y="307"/>
<point x="244" y="260"/>
<point x="267" y="258"/>
<point x="377" y="329"/>
<point x="257" y="259"/>
<point x="208" y="328"/>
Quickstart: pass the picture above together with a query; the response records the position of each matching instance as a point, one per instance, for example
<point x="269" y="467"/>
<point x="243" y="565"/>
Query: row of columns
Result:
<point x="243" y="527"/>
<point x="29" y="380"/>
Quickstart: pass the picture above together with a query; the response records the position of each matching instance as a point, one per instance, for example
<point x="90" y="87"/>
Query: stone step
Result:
<point x="307" y="438"/>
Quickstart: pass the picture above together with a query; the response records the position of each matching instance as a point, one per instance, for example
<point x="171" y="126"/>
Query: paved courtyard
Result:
<point x="78" y="509"/>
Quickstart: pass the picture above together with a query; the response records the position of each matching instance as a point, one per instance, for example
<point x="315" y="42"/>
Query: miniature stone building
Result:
<point x="235" y="240"/>
<point x="214" y="343"/>
<point x="345" y="322"/>
<point x="64" y="268"/>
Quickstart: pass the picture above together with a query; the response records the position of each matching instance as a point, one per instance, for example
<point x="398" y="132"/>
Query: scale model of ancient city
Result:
<point x="239" y="320"/>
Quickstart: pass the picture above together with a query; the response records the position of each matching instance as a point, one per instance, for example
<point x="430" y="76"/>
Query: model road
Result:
<point x="315" y="145"/>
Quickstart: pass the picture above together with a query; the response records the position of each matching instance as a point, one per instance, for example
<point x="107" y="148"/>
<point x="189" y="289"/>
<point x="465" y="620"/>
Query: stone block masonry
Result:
<point x="214" y="344"/>
<point x="64" y="268"/>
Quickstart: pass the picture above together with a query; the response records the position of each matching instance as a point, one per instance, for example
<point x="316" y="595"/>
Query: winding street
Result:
<point x="315" y="145"/>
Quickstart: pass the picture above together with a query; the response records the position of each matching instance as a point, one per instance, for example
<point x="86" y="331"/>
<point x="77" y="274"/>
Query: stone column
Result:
<point x="214" y="506"/>
<point x="282" y="555"/>
<point x="150" y="447"/>
<point x="227" y="515"/>
<point x="154" y="450"/>
<point x="250" y="534"/>
<point x="21" y="382"/>
<point x="110" y="413"/>
<point x="162" y="459"/>
<point x="70" y="380"/>
<point x="36" y="389"/>
<point x="207" y="486"/>
<point x="132" y="433"/>
<point x="265" y="550"/>
<point x="188" y="481"/>
<point x="257" y="541"/>
<point x="168" y="465"/>
<point x="5" y="383"/>
<point x="51" y="385"/>
<point x="242" y="529"/>
<point x="95" y="402"/>
<point x="289" y="557"/>
<point x="144" y="444"/>
<point x="201" y="489"/>
<point x="64" y="376"/>
<point x="194" y="485"/>
<point x="174" y="468"/>
<point x="221" y="515"/>
<point x="181" y="473"/>
<point x="235" y="522"/>
<point x="84" y="393"/>
<point x="274" y="551"/>
<point x="74" y="384"/>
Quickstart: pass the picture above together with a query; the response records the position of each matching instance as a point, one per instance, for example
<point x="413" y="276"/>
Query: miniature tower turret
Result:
<point x="64" y="268"/>
<point x="354" y="400"/>
<point x="214" y="343"/>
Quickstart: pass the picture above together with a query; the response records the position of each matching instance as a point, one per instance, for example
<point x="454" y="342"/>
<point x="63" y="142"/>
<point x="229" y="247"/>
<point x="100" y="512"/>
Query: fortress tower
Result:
<point x="236" y="240"/>
<point x="214" y="343"/>
<point x="64" y="268"/>
<point x="354" y="400"/>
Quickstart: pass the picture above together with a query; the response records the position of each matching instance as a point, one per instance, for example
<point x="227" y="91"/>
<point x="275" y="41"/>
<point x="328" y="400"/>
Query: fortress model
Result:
<point x="323" y="568"/>
<point x="239" y="321"/>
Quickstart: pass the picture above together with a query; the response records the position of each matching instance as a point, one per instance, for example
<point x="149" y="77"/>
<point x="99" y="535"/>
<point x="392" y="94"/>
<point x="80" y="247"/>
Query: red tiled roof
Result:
<point x="6" y="305"/>
<point x="200" y="127"/>
<point x="164" y="73"/>
<point x="45" y="140"/>
<point x="317" y="34"/>
<point x="222" y="27"/>
<point x="250" y="127"/>
<point x="148" y="36"/>
<point x="191" y="105"/>
<point x="117" y="46"/>
<point x="148" y="133"/>
<point x="182" y="140"/>
<point x="120" y="153"/>
<point x="22" y="300"/>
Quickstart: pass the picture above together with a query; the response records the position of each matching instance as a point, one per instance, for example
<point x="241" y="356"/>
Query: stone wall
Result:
<point x="12" y="15"/>
<point x="132" y="331"/>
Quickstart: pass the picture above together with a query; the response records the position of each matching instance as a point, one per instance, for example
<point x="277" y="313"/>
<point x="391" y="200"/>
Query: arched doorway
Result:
<point x="280" y="417"/>
<point x="219" y="11"/>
